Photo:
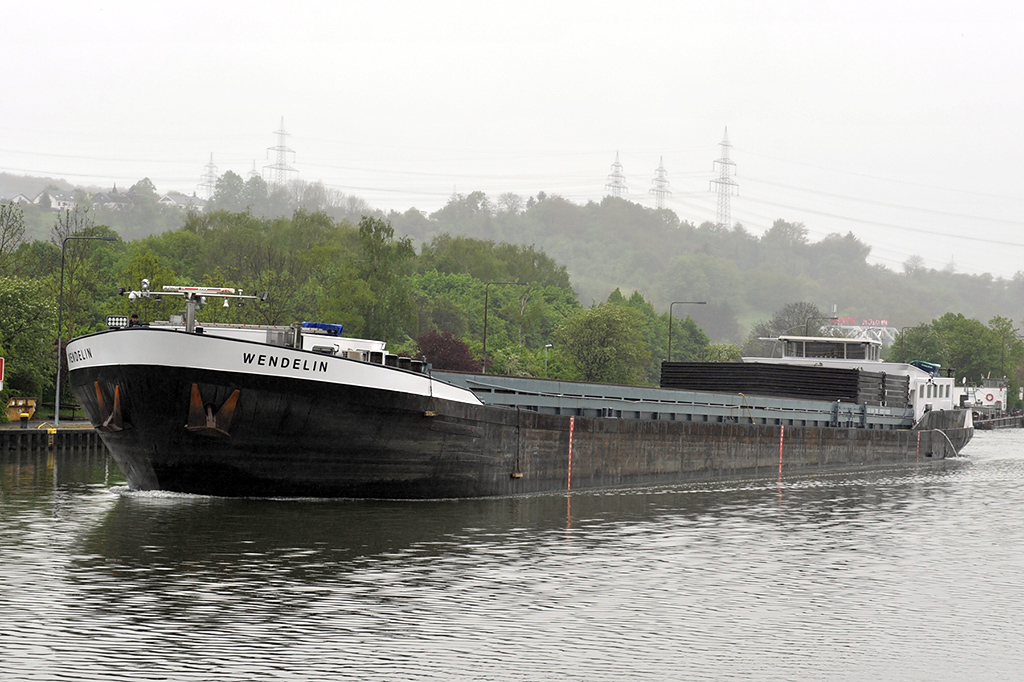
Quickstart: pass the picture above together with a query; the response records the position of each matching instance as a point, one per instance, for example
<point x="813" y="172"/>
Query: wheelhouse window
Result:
<point x="831" y="348"/>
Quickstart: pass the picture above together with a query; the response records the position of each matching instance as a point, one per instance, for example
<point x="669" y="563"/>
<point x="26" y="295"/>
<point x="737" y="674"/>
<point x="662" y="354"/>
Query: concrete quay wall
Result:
<point x="49" y="439"/>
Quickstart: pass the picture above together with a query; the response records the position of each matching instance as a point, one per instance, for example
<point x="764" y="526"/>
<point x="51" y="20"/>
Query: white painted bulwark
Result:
<point x="170" y="348"/>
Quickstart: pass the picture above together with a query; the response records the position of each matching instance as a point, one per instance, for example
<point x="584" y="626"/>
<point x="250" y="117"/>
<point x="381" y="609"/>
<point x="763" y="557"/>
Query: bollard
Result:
<point x="24" y="420"/>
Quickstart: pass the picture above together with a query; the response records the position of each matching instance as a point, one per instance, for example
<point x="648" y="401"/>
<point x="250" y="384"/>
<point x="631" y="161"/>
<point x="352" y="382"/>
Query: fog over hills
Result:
<point x="898" y="122"/>
<point x="614" y="243"/>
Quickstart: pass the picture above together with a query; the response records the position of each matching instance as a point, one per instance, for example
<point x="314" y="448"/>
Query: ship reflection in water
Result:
<point x="909" y="574"/>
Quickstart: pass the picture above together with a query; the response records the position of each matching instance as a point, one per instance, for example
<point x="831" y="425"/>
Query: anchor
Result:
<point x="114" y="421"/>
<point x="202" y="419"/>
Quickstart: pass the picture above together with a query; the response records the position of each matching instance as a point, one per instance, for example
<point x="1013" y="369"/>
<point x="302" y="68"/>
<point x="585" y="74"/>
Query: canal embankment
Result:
<point x="42" y="436"/>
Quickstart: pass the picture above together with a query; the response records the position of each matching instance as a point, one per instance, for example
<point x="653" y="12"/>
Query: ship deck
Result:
<point x="549" y="396"/>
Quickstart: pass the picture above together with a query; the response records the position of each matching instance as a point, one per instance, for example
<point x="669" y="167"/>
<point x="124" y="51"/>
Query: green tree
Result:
<point x="12" y="234"/>
<point x="255" y="194"/>
<point x="722" y="352"/>
<point x="510" y="202"/>
<point x="917" y="343"/>
<point x="228" y="193"/>
<point x="963" y="345"/>
<point x="142" y="264"/>
<point x="444" y="315"/>
<point x="144" y="189"/>
<point x="181" y="251"/>
<point x="689" y="342"/>
<point x="786" y="235"/>
<point x="471" y="210"/>
<point x="79" y="281"/>
<point x="528" y="264"/>
<point x="654" y="331"/>
<point x="26" y="336"/>
<point x="383" y="263"/>
<point x="1011" y="348"/>
<point x="796" y="318"/>
<point x="604" y="344"/>
<point x="456" y="255"/>
<point x="36" y="260"/>
<point x="968" y="346"/>
<point x="512" y="361"/>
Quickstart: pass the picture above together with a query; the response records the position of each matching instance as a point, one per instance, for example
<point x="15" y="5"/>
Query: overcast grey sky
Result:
<point x="899" y="121"/>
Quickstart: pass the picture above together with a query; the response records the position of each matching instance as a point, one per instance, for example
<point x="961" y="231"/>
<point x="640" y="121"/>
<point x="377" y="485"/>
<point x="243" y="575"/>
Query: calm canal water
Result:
<point x="908" y="574"/>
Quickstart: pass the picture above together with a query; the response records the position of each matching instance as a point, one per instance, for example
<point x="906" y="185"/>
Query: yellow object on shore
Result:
<point x="18" y="407"/>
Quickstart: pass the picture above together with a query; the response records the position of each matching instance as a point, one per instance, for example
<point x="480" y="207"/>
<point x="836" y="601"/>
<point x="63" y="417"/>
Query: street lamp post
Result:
<point x="486" y="292"/>
<point x="60" y="320"/>
<point x="546" y="347"/>
<point x="670" y="321"/>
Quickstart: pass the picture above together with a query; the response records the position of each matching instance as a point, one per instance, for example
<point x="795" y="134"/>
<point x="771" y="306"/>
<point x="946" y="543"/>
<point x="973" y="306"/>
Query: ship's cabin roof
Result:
<point x="831" y="347"/>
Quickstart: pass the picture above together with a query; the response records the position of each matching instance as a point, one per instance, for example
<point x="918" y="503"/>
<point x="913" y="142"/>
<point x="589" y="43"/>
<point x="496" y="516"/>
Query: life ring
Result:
<point x="989" y="397"/>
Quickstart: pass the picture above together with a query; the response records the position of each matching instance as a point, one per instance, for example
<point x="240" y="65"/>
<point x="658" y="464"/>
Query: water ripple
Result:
<point x="909" y="574"/>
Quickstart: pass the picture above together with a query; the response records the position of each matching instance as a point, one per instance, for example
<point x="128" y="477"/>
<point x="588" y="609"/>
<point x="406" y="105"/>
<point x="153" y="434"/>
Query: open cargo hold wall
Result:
<point x="788" y="381"/>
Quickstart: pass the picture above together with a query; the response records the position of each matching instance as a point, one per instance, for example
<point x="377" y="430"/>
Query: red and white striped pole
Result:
<point x="572" y="427"/>
<point x="782" y="434"/>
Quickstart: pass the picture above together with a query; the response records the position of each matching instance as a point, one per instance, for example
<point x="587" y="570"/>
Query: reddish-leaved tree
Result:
<point x="444" y="351"/>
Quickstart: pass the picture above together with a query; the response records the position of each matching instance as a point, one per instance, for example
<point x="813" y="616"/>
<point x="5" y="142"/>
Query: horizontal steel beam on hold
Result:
<point x="632" y="402"/>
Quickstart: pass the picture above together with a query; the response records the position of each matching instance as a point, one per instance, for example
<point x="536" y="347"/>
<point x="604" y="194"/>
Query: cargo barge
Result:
<point x="300" y="410"/>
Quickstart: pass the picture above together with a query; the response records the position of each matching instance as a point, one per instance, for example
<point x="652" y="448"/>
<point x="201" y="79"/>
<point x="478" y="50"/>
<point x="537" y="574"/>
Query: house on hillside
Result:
<point x="112" y="200"/>
<point x="20" y="199"/>
<point x="182" y="202"/>
<point x="57" y="200"/>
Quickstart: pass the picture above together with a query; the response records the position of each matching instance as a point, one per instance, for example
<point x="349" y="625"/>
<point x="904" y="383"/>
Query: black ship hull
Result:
<point x="234" y="431"/>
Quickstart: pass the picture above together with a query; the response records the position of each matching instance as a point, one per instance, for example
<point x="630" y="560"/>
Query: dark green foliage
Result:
<point x="917" y="343"/>
<point x="619" y="244"/>
<point x="967" y="347"/>
<point x="384" y="263"/>
<point x="689" y="342"/>
<point x="603" y="245"/>
<point x="228" y="194"/>
<point x="27" y="336"/>
<point x="320" y="267"/>
<point x="36" y="260"/>
<point x="489" y="262"/>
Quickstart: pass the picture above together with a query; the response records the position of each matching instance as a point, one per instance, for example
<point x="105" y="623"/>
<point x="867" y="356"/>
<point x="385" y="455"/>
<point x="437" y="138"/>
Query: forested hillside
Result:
<point x="743" y="277"/>
<point x="448" y="302"/>
<point x="617" y="244"/>
<point x="459" y="301"/>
